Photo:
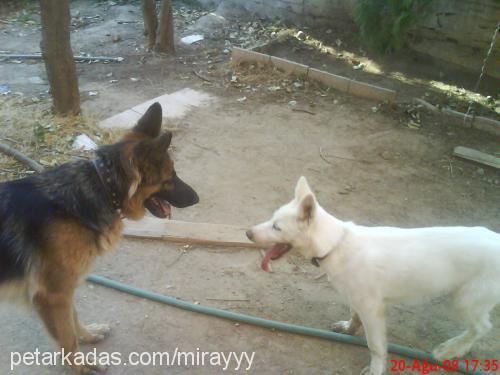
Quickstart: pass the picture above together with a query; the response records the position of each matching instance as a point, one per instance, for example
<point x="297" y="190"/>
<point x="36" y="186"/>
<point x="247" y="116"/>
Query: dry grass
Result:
<point x="251" y="73"/>
<point x="33" y="130"/>
<point x="266" y="76"/>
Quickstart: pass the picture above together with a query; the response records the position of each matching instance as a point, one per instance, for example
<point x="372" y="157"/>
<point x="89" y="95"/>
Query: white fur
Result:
<point x="375" y="266"/>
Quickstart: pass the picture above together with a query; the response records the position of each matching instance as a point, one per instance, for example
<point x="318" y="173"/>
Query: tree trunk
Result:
<point x="165" y="37"/>
<point x="58" y="56"/>
<point x="150" y="21"/>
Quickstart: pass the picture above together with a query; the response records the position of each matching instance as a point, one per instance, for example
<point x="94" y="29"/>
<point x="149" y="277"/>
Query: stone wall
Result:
<point x="299" y="12"/>
<point x="457" y="31"/>
<point x="460" y="31"/>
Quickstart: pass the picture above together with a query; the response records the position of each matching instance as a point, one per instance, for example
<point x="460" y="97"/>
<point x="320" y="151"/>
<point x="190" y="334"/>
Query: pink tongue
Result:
<point x="167" y="209"/>
<point x="273" y="253"/>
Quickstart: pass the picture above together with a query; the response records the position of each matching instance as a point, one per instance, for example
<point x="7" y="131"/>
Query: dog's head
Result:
<point x="152" y="180"/>
<point x="290" y="226"/>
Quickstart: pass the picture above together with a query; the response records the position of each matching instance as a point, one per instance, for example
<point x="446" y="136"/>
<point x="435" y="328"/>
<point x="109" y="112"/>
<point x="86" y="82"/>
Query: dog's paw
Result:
<point x="369" y="371"/>
<point x="449" y="350"/>
<point x="365" y="371"/>
<point x="343" y="326"/>
<point x="89" y="369"/>
<point x="94" y="333"/>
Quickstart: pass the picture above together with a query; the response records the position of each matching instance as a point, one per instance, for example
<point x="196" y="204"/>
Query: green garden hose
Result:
<point x="274" y="324"/>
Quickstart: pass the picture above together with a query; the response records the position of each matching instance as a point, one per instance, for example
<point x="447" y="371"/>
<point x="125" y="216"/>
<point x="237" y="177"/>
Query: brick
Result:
<point x="368" y="91"/>
<point x="244" y="55"/>
<point x="488" y="125"/>
<point x="289" y="67"/>
<point x="337" y="82"/>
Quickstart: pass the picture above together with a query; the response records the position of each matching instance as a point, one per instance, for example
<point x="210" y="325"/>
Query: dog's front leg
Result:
<point x="56" y="311"/>
<point x="373" y="318"/>
<point x="89" y="334"/>
<point x="349" y="327"/>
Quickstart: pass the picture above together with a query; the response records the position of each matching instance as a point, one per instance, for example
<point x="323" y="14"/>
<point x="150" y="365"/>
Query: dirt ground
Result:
<point x="244" y="157"/>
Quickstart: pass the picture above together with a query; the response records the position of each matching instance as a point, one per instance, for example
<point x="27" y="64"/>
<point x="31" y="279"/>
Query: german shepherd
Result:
<point x="53" y="225"/>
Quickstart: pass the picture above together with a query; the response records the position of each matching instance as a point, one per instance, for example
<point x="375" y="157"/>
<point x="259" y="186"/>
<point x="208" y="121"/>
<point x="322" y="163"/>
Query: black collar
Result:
<point x="103" y="170"/>
<point x="315" y="260"/>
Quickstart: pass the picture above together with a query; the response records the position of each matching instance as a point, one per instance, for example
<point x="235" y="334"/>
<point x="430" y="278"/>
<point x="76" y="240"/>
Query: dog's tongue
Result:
<point x="166" y="208"/>
<point x="273" y="253"/>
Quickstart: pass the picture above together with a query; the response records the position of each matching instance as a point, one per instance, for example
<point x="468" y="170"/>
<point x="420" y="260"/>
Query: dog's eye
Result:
<point x="275" y="227"/>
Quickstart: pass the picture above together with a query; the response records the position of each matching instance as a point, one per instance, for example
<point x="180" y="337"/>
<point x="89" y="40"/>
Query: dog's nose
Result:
<point x="250" y="234"/>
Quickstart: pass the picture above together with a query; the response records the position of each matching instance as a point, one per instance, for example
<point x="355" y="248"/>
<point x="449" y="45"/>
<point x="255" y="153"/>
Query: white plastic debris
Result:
<point x="83" y="142"/>
<point x="359" y="66"/>
<point x="190" y="39"/>
<point x="242" y="99"/>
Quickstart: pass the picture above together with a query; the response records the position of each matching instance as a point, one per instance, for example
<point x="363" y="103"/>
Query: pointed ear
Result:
<point x="302" y="189"/>
<point x="307" y="208"/>
<point x="150" y="123"/>
<point x="163" y="142"/>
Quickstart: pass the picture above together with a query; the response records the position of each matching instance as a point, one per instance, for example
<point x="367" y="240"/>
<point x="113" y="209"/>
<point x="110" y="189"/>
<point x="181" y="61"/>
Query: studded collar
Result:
<point x="103" y="170"/>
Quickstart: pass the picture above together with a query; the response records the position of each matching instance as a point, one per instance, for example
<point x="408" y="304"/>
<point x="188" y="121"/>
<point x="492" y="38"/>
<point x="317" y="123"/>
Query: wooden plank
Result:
<point x="190" y="233"/>
<point x="477" y="156"/>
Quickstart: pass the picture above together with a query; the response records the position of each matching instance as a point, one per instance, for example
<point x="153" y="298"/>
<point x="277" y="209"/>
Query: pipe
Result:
<point x="9" y="56"/>
<point x="261" y="322"/>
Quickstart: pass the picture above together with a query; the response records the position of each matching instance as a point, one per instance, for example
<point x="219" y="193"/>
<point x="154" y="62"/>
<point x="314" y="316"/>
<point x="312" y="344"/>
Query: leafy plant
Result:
<point x="24" y="15"/>
<point x="383" y="23"/>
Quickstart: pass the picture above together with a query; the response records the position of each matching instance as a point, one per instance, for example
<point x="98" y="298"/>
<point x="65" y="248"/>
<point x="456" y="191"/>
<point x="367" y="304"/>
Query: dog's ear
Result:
<point x="163" y="142"/>
<point x="307" y="208"/>
<point x="302" y="189"/>
<point x="150" y="123"/>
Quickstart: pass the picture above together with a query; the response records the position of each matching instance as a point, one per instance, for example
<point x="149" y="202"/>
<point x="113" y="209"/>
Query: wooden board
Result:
<point x="477" y="156"/>
<point x="187" y="232"/>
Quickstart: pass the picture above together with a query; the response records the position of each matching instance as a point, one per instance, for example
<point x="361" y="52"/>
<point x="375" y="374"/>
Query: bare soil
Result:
<point x="243" y="158"/>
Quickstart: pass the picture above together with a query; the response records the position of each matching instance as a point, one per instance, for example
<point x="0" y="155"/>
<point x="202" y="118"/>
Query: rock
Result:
<point x="229" y="9"/>
<point x="209" y="3"/>
<point x="210" y="23"/>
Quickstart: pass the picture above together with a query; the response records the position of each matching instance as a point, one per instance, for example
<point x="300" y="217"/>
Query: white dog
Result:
<point x="374" y="266"/>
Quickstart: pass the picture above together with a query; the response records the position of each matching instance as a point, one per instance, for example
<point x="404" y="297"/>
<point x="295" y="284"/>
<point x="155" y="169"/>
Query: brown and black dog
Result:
<point x="53" y="225"/>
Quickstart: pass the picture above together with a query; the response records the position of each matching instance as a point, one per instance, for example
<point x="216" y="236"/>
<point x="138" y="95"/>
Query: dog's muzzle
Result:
<point x="180" y="195"/>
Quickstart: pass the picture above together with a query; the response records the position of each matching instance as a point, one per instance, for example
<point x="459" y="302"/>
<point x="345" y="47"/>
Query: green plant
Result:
<point x="383" y="24"/>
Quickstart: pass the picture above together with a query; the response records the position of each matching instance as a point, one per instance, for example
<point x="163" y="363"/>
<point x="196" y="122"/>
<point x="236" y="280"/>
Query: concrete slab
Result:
<point x="175" y="105"/>
<point x="122" y="120"/>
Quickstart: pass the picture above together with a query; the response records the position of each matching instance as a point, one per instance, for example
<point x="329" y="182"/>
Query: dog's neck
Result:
<point x="103" y="170"/>
<point x="327" y="234"/>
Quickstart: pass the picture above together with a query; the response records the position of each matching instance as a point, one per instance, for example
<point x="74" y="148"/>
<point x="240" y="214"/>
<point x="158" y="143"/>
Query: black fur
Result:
<point x="70" y="191"/>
